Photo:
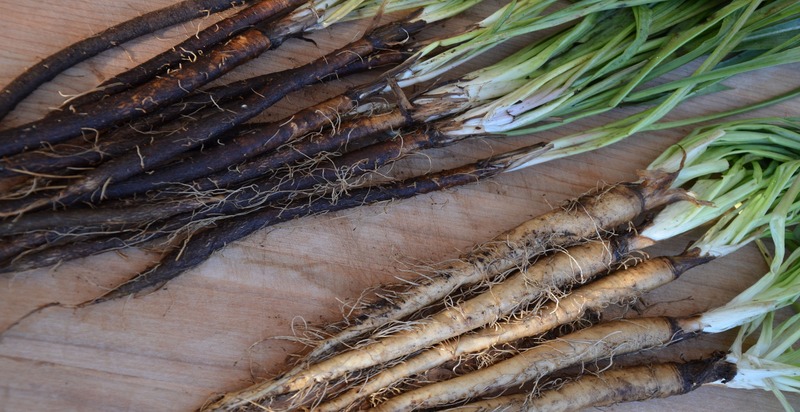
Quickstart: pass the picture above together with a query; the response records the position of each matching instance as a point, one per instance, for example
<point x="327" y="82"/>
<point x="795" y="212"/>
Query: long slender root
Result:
<point x="596" y="342"/>
<point x="142" y="99"/>
<point x="544" y="278"/>
<point x="218" y="122"/>
<point x="628" y="384"/>
<point x="80" y="152"/>
<point x="620" y="286"/>
<point x="187" y="50"/>
<point x="56" y="63"/>
<point x="589" y="217"/>
<point x="203" y="244"/>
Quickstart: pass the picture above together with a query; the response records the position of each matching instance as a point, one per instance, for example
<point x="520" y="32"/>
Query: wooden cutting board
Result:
<point x="216" y="328"/>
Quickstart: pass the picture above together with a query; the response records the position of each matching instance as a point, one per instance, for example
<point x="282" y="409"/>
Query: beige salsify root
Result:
<point x="621" y="286"/>
<point x="542" y="279"/>
<point x="545" y="279"/>
<point x="587" y="217"/>
<point x="596" y="342"/>
<point x="633" y="383"/>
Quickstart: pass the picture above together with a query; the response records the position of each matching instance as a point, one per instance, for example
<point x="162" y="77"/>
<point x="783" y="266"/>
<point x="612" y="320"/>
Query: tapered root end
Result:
<point x="144" y="283"/>
<point x="27" y="315"/>
<point x="94" y="301"/>
<point x="129" y="288"/>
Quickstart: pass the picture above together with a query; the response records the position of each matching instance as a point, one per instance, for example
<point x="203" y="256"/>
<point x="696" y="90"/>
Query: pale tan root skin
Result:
<point x="575" y="265"/>
<point x="588" y="217"/>
<point x="597" y="342"/>
<point x="619" y="286"/>
<point x="622" y="385"/>
<point x="578" y="263"/>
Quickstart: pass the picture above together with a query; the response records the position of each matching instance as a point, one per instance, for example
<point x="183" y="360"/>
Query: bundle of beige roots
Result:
<point x="566" y="246"/>
<point x="550" y="271"/>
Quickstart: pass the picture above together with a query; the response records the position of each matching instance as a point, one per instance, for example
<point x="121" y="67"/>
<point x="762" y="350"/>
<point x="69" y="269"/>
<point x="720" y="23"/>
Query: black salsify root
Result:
<point x="51" y="66"/>
<point x="250" y="141"/>
<point x="65" y="249"/>
<point x="116" y="217"/>
<point x="336" y="172"/>
<point x="276" y="135"/>
<point x="235" y="113"/>
<point x="137" y="101"/>
<point x="206" y="129"/>
<point x="182" y="211"/>
<point x="14" y="246"/>
<point x="114" y="227"/>
<point x="188" y="50"/>
<point x="204" y="243"/>
<point x="353" y="135"/>
<point x="80" y="152"/>
<point x="160" y="91"/>
<point x="257" y="195"/>
<point x="30" y="202"/>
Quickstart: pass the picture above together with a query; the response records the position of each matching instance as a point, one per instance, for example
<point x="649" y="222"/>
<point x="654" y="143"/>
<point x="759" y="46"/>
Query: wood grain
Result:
<point x="215" y="328"/>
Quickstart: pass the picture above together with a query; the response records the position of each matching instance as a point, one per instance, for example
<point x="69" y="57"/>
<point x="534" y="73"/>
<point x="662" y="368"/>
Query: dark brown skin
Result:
<point x="50" y="67"/>
<point x="63" y="250"/>
<point x="158" y="92"/>
<point x="188" y="49"/>
<point x="82" y="152"/>
<point x="203" y="244"/>
<point x="42" y="249"/>
<point x="355" y="134"/>
<point x="220" y="121"/>
<point x="109" y="219"/>
<point x="137" y="101"/>
<point x="270" y="214"/>
<point x="13" y="246"/>
<point x="120" y="221"/>
<point x="266" y="190"/>
<point x="359" y="134"/>
<point x="635" y="383"/>
<point x="250" y="142"/>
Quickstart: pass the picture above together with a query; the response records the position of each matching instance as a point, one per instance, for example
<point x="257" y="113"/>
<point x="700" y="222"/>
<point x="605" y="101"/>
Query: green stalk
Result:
<point x="685" y="37"/>
<point x="784" y="57"/>
<point x="748" y="162"/>
<point x="515" y="19"/>
<point x="483" y="86"/>
<point x="755" y="214"/>
<point x="751" y="166"/>
<point x="731" y="30"/>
